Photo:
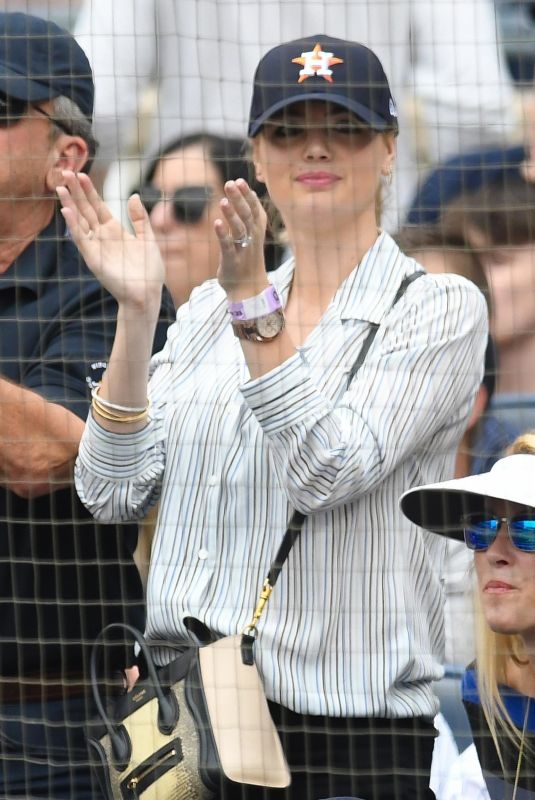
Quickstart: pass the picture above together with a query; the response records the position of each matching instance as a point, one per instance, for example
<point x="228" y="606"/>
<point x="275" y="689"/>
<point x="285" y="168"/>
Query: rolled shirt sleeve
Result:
<point x="421" y="375"/>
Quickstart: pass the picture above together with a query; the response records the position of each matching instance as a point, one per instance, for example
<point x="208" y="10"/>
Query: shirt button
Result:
<point x="203" y="554"/>
<point x="213" y="480"/>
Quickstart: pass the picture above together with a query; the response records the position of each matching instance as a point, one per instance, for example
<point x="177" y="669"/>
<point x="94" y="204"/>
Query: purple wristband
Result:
<point x="254" y="307"/>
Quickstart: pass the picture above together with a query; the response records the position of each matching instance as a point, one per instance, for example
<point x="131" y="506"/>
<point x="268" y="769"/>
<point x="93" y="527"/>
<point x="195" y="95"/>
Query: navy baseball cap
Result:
<point x="40" y="61"/>
<point x="322" y="67"/>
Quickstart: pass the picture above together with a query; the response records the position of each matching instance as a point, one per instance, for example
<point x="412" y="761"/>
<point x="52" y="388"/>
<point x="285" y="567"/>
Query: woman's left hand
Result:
<point x="241" y="234"/>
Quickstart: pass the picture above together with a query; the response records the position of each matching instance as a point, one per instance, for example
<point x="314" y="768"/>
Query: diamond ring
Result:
<point x="244" y="241"/>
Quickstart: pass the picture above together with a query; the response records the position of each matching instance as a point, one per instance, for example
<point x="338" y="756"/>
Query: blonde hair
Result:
<point x="495" y="651"/>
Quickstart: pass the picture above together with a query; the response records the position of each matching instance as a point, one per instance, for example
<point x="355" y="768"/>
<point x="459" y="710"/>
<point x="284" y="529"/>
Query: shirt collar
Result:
<point x="369" y="290"/>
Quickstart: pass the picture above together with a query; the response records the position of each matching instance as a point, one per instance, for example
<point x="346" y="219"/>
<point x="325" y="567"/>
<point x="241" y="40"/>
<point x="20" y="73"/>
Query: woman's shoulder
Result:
<point x="447" y="280"/>
<point x="518" y="708"/>
<point x="446" y="303"/>
<point x="432" y="282"/>
<point x="446" y="283"/>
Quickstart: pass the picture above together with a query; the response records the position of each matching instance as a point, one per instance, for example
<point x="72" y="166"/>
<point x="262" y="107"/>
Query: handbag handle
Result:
<point x="296" y="522"/>
<point x="168" y="710"/>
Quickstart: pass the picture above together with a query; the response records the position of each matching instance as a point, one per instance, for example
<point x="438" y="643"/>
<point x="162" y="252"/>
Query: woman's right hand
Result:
<point x="128" y="265"/>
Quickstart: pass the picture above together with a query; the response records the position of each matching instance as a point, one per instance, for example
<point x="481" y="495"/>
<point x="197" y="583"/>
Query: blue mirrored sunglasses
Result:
<point x="480" y="530"/>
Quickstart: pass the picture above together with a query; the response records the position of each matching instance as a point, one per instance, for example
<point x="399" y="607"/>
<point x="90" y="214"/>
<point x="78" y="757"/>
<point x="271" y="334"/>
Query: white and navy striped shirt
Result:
<point x="354" y="626"/>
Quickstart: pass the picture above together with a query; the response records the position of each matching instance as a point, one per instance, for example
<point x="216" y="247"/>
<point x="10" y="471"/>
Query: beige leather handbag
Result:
<point x="188" y="724"/>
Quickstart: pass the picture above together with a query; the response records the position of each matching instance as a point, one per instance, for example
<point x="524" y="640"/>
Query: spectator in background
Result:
<point x="62" y="576"/>
<point x="463" y="174"/>
<point x="495" y="513"/>
<point x="469" y="172"/>
<point x="200" y="56"/>
<point x="181" y="190"/>
<point x="499" y="222"/>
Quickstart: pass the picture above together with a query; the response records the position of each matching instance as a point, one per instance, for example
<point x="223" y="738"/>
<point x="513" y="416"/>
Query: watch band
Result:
<point x="257" y="306"/>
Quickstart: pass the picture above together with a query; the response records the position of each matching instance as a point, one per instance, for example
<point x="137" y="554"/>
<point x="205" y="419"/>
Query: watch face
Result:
<point x="270" y="325"/>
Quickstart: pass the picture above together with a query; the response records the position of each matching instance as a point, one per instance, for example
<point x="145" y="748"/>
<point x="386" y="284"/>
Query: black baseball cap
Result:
<point x="40" y="61"/>
<point x="322" y="67"/>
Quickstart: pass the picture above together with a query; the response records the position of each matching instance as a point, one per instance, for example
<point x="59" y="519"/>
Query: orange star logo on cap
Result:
<point x="316" y="62"/>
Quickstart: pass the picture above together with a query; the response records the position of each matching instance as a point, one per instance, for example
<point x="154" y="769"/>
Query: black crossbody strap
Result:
<point x="292" y="532"/>
<point x="296" y="522"/>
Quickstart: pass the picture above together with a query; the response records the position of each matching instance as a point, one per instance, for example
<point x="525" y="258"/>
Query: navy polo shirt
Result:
<point x="62" y="576"/>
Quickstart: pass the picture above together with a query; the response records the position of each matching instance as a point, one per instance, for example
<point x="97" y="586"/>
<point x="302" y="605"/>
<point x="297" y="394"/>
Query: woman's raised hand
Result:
<point x="128" y="265"/>
<point x="241" y="233"/>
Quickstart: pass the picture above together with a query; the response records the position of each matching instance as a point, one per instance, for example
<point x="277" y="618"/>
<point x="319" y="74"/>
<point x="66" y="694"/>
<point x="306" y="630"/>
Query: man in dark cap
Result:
<point x="62" y="576"/>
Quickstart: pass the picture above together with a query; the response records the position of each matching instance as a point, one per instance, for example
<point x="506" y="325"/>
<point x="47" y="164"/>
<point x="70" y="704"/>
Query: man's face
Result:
<point x="26" y="153"/>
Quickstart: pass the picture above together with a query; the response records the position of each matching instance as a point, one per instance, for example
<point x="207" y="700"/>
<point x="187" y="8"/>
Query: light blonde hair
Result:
<point x="495" y="651"/>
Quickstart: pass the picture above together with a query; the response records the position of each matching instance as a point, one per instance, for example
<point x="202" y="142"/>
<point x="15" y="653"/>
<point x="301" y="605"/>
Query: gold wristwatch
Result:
<point x="260" y="329"/>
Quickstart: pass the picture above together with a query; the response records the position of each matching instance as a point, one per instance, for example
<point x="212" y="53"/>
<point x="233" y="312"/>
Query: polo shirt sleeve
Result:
<point x="75" y="344"/>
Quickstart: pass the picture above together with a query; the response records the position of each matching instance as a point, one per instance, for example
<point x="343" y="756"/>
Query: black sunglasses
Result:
<point x="13" y="110"/>
<point x="188" y="203"/>
<point x="480" y="530"/>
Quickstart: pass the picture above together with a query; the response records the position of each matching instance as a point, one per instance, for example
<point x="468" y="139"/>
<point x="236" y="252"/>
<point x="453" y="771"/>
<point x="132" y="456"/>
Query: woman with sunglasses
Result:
<point x="327" y="386"/>
<point x="181" y="190"/>
<point x="495" y="514"/>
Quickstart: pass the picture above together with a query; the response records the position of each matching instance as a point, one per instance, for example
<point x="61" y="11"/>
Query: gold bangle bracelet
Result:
<point x="95" y="394"/>
<point x="103" y="412"/>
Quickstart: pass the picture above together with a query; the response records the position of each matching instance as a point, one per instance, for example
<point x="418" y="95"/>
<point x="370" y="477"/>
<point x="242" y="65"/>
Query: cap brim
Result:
<point x="371" y="119"/>
<point x="20" y="86"/>
<point x="439" y="507"/>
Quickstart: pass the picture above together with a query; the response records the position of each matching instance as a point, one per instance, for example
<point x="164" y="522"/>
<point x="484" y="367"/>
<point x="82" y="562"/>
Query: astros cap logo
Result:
<point x="316" y="62"/>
